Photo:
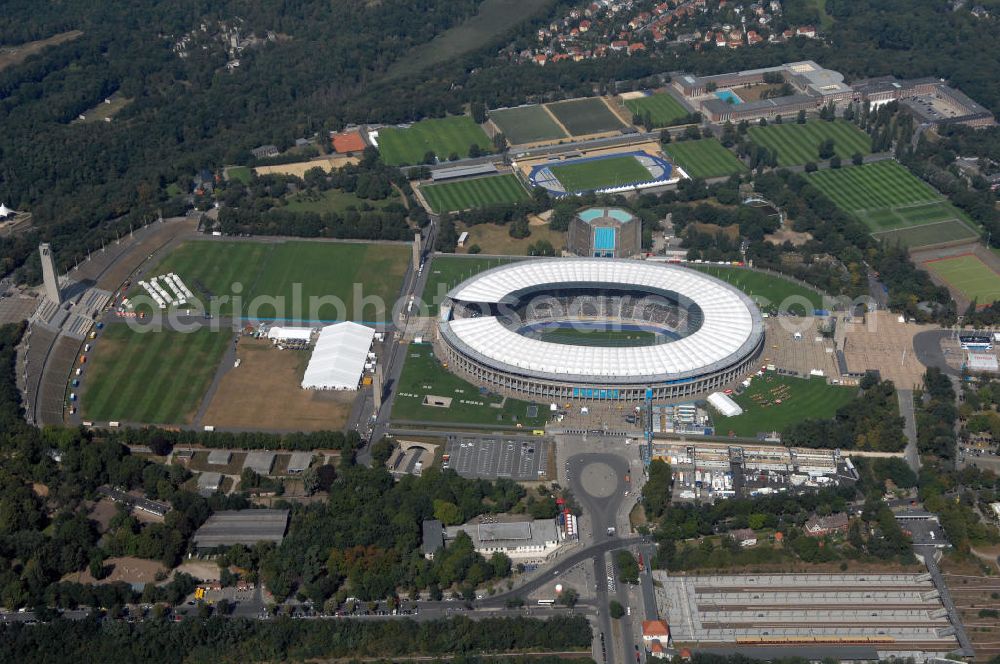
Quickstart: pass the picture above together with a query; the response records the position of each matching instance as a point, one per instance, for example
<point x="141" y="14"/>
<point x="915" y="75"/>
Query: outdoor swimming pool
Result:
<point x="728" y="96"/>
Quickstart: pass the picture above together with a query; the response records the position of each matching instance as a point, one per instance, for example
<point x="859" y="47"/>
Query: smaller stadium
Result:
<point x="604" y="174"/>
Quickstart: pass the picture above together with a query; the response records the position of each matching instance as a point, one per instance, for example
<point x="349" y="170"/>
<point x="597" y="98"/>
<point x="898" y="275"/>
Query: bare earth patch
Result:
<point x="15" y="55"/>
<point x="127" y="569"/>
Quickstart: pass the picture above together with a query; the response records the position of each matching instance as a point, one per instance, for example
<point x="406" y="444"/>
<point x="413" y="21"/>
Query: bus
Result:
<point x="546" y="602"/>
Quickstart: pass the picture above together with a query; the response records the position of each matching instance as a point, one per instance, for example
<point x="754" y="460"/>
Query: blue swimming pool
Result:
<point x="604" y="239"/>
<point x="729" y="97"/>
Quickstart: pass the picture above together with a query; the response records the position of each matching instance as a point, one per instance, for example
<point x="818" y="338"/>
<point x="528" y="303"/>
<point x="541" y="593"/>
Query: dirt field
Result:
<point x="887" y="345"/>
<point x="102" y="512"/>
<point x="15" y="55"/>
<point x="299" y="168"/>
<point x="783" y="235"/>
<point x="493" y="239"/>
<point x="127" y="569"/>
<point x="264" y="393"/>
<point x="802" y="355"/>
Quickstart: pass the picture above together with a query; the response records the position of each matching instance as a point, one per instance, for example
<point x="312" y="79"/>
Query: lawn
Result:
<point x="239" y="173"/>
<point x="478" y="192"/>
<point x="601" y="173"/>
<point x="277" y="279"/>
<point x="970" y="276"/>
<point x="585" y="116"/>
<point x="527" y="124"/>
<point x="705" y="158"/>
<point x="333" y="200"/>
<point x="769" y="291"/>
<point x="153" y="377"/>
<point x="424" y="375"/>
<point x="798" y="144"/>
<point x="663" y="109"/>
<point x="894" y="203"/>
<point x="446" y="272"/>
<point x="495" y="239"/>
<point x="800" y="399"/>
<point x="442" y="136"/>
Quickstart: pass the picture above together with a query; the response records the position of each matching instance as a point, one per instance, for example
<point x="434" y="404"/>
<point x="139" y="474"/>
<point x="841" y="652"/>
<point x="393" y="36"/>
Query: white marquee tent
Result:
<point x="724" y="404"/>
<point x="278" y="334"/>
<point x="338" y="359"/>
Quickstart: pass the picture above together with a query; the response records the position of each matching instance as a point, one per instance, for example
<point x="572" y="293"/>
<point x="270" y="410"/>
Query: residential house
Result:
<point x="825" y="525"/>
<point x="806" y="31"/>
<point x="744" y="537"/>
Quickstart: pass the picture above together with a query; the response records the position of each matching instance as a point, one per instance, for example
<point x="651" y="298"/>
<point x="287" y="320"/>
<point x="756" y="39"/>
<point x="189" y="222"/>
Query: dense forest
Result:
<point x="243" y="640"/>
<point x="314" y="66"/>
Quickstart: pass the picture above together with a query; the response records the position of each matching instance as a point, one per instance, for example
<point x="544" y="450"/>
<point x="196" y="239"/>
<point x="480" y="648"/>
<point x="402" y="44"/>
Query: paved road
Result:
<point x="927" y="346"/>
<point x="911" y="454"/>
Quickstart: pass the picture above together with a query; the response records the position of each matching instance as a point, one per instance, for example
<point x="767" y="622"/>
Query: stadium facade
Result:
<point x="698" y="333"/>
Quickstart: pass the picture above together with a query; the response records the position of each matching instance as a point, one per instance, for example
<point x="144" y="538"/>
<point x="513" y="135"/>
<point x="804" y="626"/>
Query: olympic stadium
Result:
<point x="599" y="329"/>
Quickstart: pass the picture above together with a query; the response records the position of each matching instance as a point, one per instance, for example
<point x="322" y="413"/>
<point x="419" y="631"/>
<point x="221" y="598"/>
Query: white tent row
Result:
<point x="726" y="406"/>
<point x="278" y="334"/>
<point x="338" y="359"/>
<point x="154" y="293"/>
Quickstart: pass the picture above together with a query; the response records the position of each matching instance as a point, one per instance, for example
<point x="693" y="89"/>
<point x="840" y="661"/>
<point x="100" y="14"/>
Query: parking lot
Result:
<point x="522" y="459"/>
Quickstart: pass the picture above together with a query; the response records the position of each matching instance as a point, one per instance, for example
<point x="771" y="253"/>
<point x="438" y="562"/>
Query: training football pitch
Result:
<point x="585" y="116"/>
<point x="527" y="124"/>
<point x="770" y="292"/>
<point x="894" y="204"/>
<point x="799" y="144"/>
<point x="663" y="109"/>
<point x="969" y="275"/>
<point x="705" y="158"/>
<point x="604" y="173"/>
<point x="478" y="192"/>
<point x="424" y="375"/>
<point x="801" y="399"/>
<point x="442" y="136"/>
<point x="269" y="278"/>
<point x="150" y="378"/>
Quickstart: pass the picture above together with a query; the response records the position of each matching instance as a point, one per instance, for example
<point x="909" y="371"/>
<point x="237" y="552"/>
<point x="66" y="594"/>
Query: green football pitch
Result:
<point x="894" y="204"/>
<point x="298" y="280"/>
<point x="801" y="399"/>
<point x="970" y="276"/>
<point x="799" y="144"/>
<point x="583" y="176"/>
<point x="585" y="116"/>
<point x="442" y="136"/>
<point x="705" y="158"/>
<point x="152" y="377"/>
<point x="478" y="192"/>
<point x="663" y="109"/>
<point x="424" y="375"/>
<point x="527" y="124"/>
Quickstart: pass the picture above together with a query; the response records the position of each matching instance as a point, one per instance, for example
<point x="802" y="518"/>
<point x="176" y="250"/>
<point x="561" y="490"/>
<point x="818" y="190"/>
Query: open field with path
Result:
<point x="705" y="158"/>
<point x="799" y="144"/>
<point x="527" y="124"/>
<point x="442" y="136"/>
<point x="495" y="239"/>
<point x="477" y="192"/>
<point x="154" y="377"/>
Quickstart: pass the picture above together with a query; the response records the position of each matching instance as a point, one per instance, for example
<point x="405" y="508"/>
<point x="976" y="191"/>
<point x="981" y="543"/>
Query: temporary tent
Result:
<point x="724" y="404"/>
<point x="338" y="359"/>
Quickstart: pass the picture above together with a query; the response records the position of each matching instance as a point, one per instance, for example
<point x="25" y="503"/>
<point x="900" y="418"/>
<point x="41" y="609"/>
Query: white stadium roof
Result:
<point x="338" y="360"/>
<point x="731" y="325"/>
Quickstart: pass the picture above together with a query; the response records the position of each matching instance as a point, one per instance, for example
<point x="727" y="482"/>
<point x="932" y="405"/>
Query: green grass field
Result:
<point x="266" y="271"/>
<point x="894" y="203"/>
<point x="527" y="124"/>
<point x="423" y="374"/>
<point x="662" y="108"/>
<point x="590" y="337"/>
<point x="769" y="291"/>
<point x="705" y="158"/>
<point x="152" y="378"/>
<point x="601" y="173"/>
<point x="442" y="136"/>
<point x="334" y="200"/>
<point x="446" y="272"/>
<point x="239" y="173"/>
<point x="585" y="116"/>
<point x="478" y="192"/>
<point x="970" y="276"/>
<point x="800" y="399"/>
<point x="798" y="144"/>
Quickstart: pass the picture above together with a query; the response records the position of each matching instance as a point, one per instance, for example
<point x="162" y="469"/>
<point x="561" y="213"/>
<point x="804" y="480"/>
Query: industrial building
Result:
<point x="605" y="233"/>
<point x="339" y="357"/>
<point x="246" y="527"/>
<point x="209" y="483"/>
<point x="220" y="457"/>
<point x="896" y="614"/>
<point x="260" y="462"/>
<point x="299" y="462"/>
<point x="706" y="333"/>
<point x="520" y="540"/>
